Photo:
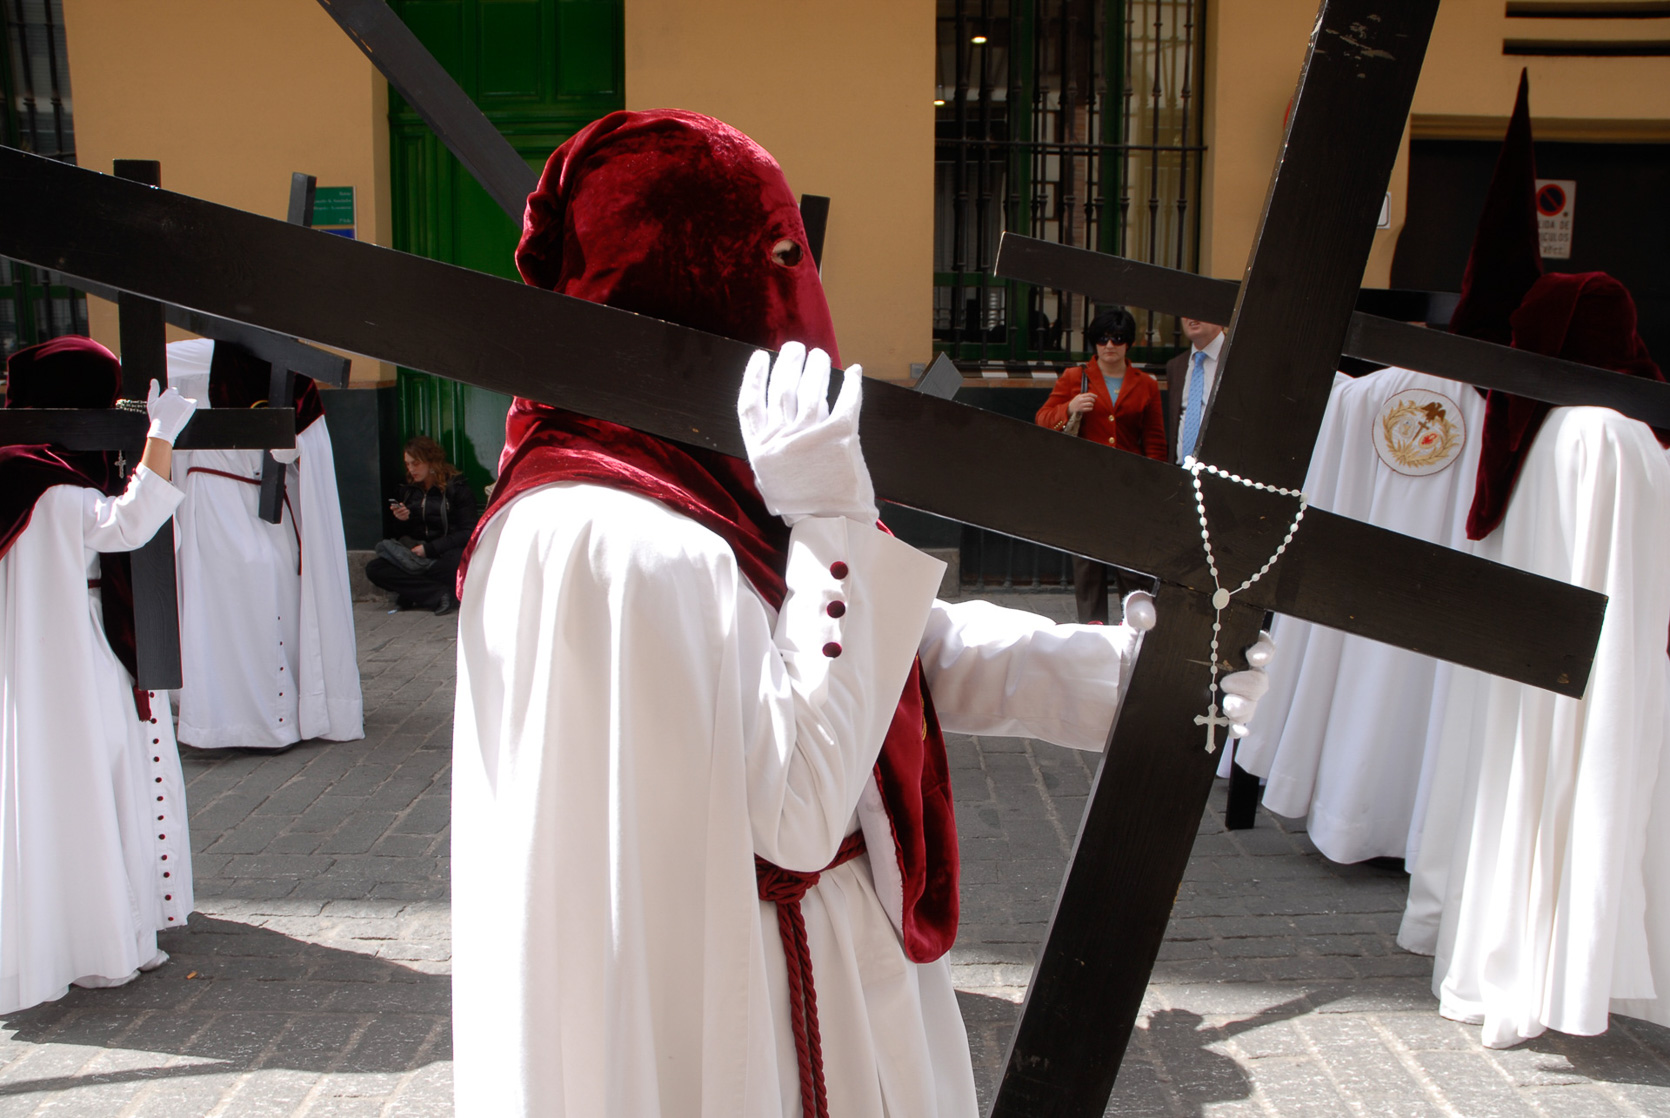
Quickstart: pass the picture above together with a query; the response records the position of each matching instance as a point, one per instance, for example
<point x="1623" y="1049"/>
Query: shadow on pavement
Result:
<point x="235" y="997"/>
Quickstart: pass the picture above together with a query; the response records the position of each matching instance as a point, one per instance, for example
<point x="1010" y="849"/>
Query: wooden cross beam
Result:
<point x="462" y="127"/>
<point x="935" y="455"/>
<point x="144" y="358"/>
<point x="156" y="592"/>
<point x="1289" y="324"/>
<point x="287" y="356"/>
<point x="266" y="345"/>
<point x="448" y="110"/>
<point x="814" y="215"/>
<point x="281" y="386"/>
<point x="1369" y="337"/>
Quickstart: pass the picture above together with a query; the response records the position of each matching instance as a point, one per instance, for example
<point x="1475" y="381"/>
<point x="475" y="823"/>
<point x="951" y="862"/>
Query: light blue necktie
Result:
<point x="1194" y="406"/>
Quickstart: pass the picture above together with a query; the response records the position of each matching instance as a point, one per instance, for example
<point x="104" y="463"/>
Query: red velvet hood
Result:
<point x="68" y="372"/>
<point x="676" y="215"/>
<point x="1586" y="317"/>
<point x="681" y="217"/>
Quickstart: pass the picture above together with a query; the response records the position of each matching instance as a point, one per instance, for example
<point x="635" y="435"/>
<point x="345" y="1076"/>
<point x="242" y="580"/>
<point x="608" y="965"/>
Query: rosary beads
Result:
<point x="1222" y="594"/>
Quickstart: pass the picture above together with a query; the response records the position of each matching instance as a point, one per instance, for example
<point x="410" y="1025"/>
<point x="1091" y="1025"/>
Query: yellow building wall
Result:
<point x="1467" y="87"/>
<point x="231" y="98"/>
<point x="842" y="96"/>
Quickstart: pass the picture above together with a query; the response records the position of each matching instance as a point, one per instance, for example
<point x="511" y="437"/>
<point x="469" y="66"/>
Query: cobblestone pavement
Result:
<point x="313" y="980"/>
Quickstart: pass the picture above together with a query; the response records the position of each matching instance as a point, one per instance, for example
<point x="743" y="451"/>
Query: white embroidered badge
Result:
<point x="1419" y="433"/>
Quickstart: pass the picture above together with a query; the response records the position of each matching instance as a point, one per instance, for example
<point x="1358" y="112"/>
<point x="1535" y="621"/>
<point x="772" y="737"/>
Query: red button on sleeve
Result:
<point x="832" y="650"/>
<point x="838" y="569"/>
<point x="836" y="609"/>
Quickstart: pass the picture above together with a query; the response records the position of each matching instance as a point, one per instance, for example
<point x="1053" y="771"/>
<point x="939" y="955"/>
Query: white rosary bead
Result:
<point x="1221" y="596"/>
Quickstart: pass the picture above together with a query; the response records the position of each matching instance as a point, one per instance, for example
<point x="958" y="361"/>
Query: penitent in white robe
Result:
<point x="94" y="853"/>
<point x="1343" y="735"/>
<point x="633" y="725"/>
<point x="266" y="615"/>
<point x="1543" y="880"/>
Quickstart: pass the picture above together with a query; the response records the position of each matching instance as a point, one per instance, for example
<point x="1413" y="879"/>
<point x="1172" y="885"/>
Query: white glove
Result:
<point x="806" y="457"/>
<point x="1139" y="610"/>
<point x="285" y="455"/>
<point x="1242" y="690"/>
<point x="169" y="412"/>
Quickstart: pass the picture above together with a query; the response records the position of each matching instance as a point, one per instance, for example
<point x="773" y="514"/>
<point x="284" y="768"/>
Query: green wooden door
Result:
<point x="540" y="70"/>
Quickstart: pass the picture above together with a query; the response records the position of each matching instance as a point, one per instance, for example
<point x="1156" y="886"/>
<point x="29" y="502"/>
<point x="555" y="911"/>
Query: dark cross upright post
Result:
<point x="156" y="601"/>
<point x="144" y="358"/>
<point x="1286" y="333"/>
<point x="814" y="215"/>
<point x="447" y="109"/>
<point x="281" y="388"/>
<point x="1241" y="803"/>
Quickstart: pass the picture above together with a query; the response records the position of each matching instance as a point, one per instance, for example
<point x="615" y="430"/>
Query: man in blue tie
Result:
<point x="1189" y="379"/>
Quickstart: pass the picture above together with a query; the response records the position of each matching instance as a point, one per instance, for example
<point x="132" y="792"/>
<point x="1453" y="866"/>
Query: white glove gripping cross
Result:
<point x="1242" y="690"/>
<point x="169" y="412"/>
<point x="806" y="457"/>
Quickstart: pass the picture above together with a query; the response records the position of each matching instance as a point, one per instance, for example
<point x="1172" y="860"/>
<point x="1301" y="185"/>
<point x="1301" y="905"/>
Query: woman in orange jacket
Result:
<point x="1118" y="405"/>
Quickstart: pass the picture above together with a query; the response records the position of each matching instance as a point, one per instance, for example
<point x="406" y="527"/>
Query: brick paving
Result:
<point x="313" y="981"/>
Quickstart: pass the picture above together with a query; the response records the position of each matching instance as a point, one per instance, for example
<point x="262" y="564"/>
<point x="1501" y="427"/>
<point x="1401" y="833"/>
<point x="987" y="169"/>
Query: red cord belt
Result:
<point x="294" y="526"/>
<point x="784" y="888"/>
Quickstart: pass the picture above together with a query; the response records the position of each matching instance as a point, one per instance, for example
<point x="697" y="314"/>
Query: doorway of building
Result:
<point x="540" y="70"/>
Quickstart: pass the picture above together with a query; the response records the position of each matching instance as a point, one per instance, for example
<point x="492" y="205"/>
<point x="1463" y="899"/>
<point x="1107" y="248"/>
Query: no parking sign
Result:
<point x="1556" y="204"/>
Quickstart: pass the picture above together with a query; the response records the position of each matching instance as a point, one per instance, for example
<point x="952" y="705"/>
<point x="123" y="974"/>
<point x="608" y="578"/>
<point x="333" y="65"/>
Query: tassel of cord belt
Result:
<point x="784" y="888"/>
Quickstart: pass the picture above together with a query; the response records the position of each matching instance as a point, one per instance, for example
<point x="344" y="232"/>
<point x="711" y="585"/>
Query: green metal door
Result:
<point x="540" y="70"/>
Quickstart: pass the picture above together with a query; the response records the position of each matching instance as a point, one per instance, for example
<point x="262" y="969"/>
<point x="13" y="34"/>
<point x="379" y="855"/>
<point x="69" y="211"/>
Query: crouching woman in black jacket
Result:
<point x="437" y="510"/>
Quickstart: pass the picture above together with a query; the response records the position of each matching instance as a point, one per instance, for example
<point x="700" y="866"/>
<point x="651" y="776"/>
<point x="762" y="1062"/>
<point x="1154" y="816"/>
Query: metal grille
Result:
<point x="35" y="75"/>
<point x="1075" y="121"/>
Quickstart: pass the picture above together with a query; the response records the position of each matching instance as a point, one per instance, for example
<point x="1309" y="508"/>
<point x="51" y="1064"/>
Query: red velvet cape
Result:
<point x="679" y="216"/>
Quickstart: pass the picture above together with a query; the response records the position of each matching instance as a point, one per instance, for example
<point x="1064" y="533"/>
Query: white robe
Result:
<point x="1343" y="736"/>
<point x="94" y="853"/>
<point x="633" y="725"/>
<point x="1542" y="883"/>
<point x="266" y="622"/>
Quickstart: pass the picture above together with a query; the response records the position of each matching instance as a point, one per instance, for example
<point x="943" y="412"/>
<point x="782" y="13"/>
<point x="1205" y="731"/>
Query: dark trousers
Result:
<point x="423" y="589"/>
<point x="1093" y="583"/>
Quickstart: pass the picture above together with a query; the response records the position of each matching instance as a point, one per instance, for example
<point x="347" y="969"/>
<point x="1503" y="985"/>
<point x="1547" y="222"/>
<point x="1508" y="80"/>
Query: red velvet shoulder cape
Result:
<point x="545" y="445"/>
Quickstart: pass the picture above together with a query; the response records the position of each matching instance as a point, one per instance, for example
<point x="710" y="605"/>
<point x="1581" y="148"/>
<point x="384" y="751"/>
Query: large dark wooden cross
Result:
<point x="286" y="357"/>
<point x="1290" y="320"/>
<point x="155" y="591"/>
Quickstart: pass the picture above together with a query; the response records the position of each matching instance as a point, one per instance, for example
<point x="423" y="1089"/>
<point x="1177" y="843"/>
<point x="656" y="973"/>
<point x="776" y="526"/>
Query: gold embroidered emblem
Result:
<point x="1419" y="433"/>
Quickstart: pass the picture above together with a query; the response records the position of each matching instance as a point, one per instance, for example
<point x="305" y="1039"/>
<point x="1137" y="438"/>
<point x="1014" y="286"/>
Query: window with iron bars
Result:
<point x="35" y="80"/>
<point x="1074" y="121"/>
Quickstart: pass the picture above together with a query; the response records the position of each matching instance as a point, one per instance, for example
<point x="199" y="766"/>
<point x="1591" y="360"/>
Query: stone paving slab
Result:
<point x="313" y="980"/>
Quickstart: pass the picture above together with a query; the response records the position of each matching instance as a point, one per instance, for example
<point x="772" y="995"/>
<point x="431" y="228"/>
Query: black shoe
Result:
<point x="402" y="601"/>
<point x="446" y="605"/>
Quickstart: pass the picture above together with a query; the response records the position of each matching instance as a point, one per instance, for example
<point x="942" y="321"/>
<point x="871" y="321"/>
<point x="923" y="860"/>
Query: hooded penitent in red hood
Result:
<point x="1586" y="317"/>
<point x="68" y="372"/>
<point x="681" y="217"/>
<point x="1506" y="299"/>
<point x="239" y="379"/>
